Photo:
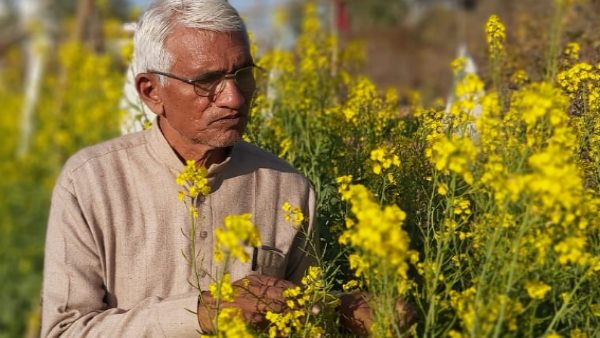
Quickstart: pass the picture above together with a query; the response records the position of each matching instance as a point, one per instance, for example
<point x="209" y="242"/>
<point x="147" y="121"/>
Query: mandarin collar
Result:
<point x="161" y="149"/>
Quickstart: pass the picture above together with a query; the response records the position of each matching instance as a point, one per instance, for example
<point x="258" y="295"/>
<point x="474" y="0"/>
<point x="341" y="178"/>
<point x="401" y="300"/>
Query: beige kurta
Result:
<point x="113" y="261"/>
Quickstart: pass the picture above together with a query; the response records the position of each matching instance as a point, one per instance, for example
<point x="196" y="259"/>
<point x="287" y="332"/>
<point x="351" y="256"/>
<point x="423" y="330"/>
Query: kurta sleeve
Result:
<point x="305" y="246"/>
<point x="74" y="290"/>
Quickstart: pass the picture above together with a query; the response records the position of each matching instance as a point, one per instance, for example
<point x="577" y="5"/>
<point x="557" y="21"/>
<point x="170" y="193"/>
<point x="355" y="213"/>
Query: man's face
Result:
<point x="218" y="120"/>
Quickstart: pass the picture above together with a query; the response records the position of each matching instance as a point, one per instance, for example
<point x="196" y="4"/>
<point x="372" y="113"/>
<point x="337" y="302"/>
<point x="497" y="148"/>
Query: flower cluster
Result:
<point x="468" y="308"/>
<point x="537" y="289"/>
<point x="495" y="35"/>
<point x="580" y="77"/>
<point x="382" y="159"/>
<point x="231" y="240"/>
<point x="193" y="179"/>
<point x="382" y="245"/>
<point x="572" y="52"/>
<point x="237" y="233"/>
<point x="223" y="290"/>
<point x="302" y="302"/>
<point x="293" y="214"/>
<point x="454" y="154"/>
<point x="231" y="325"/>
<point x="363" y="90"/>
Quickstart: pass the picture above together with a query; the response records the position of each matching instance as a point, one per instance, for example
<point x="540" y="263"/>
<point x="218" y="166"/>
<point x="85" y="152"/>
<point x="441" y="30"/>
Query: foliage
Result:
<point x="501" y="205"/>
<point x="78" y="106"/>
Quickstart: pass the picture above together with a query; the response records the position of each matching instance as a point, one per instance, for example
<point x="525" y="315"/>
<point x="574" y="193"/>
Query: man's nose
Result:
<point x="230" y="95"/>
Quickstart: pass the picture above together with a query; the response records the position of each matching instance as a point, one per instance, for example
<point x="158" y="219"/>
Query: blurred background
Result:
<point x="64" y="64"/>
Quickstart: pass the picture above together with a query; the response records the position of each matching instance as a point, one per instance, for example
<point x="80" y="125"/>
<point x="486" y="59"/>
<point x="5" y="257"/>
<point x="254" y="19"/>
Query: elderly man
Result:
<point x="113" y="263"/>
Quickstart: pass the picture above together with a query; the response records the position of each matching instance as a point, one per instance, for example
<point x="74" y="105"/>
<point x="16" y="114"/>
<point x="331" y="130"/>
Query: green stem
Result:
<point x="482" y="280"/>
<point x="220" y="275"/>
<point x="552" y="54"/>
<point x="563" y="308"/>
<point x="509" y="282"/>
<point x="429" y="321"/>
<point x="383" y="186"/>
<point x="193" y="254"/>
<point x="441" y="248"/>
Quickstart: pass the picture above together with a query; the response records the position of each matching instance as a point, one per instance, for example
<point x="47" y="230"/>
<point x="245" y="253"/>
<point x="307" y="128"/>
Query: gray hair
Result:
<point x="163" y="15"/>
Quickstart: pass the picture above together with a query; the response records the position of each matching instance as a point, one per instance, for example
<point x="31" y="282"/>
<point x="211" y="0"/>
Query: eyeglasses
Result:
<point x="213" y="83"/>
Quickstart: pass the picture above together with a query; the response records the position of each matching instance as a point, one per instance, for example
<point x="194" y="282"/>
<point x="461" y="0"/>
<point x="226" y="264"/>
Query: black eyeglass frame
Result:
<point x="218" y="86"/>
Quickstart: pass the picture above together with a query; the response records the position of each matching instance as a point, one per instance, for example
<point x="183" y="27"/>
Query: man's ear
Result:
<point x="147" y="86"/>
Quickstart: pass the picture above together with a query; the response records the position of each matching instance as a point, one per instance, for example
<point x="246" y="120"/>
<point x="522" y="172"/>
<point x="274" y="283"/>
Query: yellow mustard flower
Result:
<point x="442" y="189"/>
<point x="377" y="236"/>
<point x="572" y="51"/>
<point x="495" y="35"/>
<point x="578" y="78"/>
<point x="293" y="214"/>
<point x="223" y="290"/>
<point x="537" y="289"/>
<point x="577" y="333"/>
<point x="571" y="250"/>
<point x="231" y="325"/>
<point x="454" y="154"/>
<point x="294" y="320"/>
<point x="519" y="77"/>
<point x="237" y="233"/>
<point x="382" y="158"/>
<point x="193" y="179"/>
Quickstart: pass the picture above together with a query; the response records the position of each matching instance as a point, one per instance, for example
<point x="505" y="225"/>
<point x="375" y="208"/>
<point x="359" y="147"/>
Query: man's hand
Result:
<point x="255" y="296"/>
<point x="357" y="317"/>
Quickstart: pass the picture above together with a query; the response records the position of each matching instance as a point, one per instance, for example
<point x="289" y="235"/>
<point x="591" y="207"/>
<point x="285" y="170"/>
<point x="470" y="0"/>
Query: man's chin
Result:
<point x="226" y="144"/>
<point x="226" y="140"/>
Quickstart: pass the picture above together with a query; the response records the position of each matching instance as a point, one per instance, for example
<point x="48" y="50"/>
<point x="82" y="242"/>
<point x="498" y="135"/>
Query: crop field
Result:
<point x="480" y="211"/>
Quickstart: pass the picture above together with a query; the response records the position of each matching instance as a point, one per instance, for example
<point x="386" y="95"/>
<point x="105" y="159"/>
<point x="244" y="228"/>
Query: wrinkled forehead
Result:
<point x="201" y="37"/>
<point x="191" y="45"/>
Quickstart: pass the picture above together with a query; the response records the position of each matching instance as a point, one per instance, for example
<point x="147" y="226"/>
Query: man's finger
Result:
<point x="260" y="302"/>
<point x="206" y="298"/>
<point x="257" y="291"/>
<point x="205" y="317"/>
<point x="265" y="286"/>
<point x="259" y="280"/>
<point x="257" y="319"/>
